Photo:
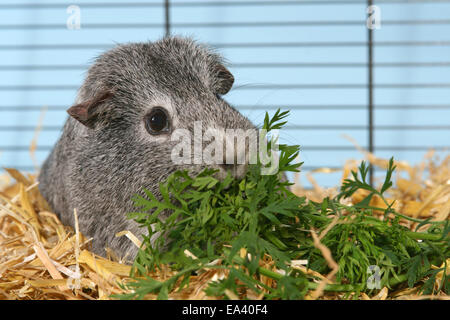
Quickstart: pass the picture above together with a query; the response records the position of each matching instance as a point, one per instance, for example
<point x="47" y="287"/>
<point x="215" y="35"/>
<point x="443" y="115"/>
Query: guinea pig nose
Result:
<point x="228" y="166"/>
<point x="229" y="159"/>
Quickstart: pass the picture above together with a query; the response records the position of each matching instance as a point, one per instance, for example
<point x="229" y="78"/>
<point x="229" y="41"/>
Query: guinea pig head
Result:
<point x="158" y="107"/>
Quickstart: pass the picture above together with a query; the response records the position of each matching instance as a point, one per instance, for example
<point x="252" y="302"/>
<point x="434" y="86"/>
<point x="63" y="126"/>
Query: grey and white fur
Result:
<point x="105" y="155"/>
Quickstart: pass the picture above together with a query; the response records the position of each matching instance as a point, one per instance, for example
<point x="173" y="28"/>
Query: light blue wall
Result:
<point x="28" y="46"/>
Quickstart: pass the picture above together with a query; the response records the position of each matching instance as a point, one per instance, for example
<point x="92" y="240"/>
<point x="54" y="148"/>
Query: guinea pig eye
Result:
<point x="157" y="121"/>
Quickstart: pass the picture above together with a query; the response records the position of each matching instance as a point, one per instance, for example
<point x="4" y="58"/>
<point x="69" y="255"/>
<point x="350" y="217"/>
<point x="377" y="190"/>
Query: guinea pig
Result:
<point x="117" y="138"/>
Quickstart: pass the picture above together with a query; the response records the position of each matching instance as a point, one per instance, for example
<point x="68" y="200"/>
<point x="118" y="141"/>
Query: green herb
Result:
<point x="215" y="219"/>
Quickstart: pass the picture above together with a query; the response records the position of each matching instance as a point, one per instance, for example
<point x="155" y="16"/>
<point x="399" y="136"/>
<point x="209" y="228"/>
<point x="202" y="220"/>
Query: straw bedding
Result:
<point x="42" y="259"/>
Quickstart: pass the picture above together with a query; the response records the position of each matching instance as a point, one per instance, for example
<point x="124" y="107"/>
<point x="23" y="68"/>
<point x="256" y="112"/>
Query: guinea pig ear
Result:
<point x="86" y="111"/>
<point x="223" y="80"/>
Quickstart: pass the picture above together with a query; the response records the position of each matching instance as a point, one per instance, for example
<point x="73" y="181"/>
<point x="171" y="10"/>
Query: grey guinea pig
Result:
<point x="108" y="150"/>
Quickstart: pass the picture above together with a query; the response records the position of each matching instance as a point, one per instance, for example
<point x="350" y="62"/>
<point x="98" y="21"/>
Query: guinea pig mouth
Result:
<point x="237" y="171"/>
